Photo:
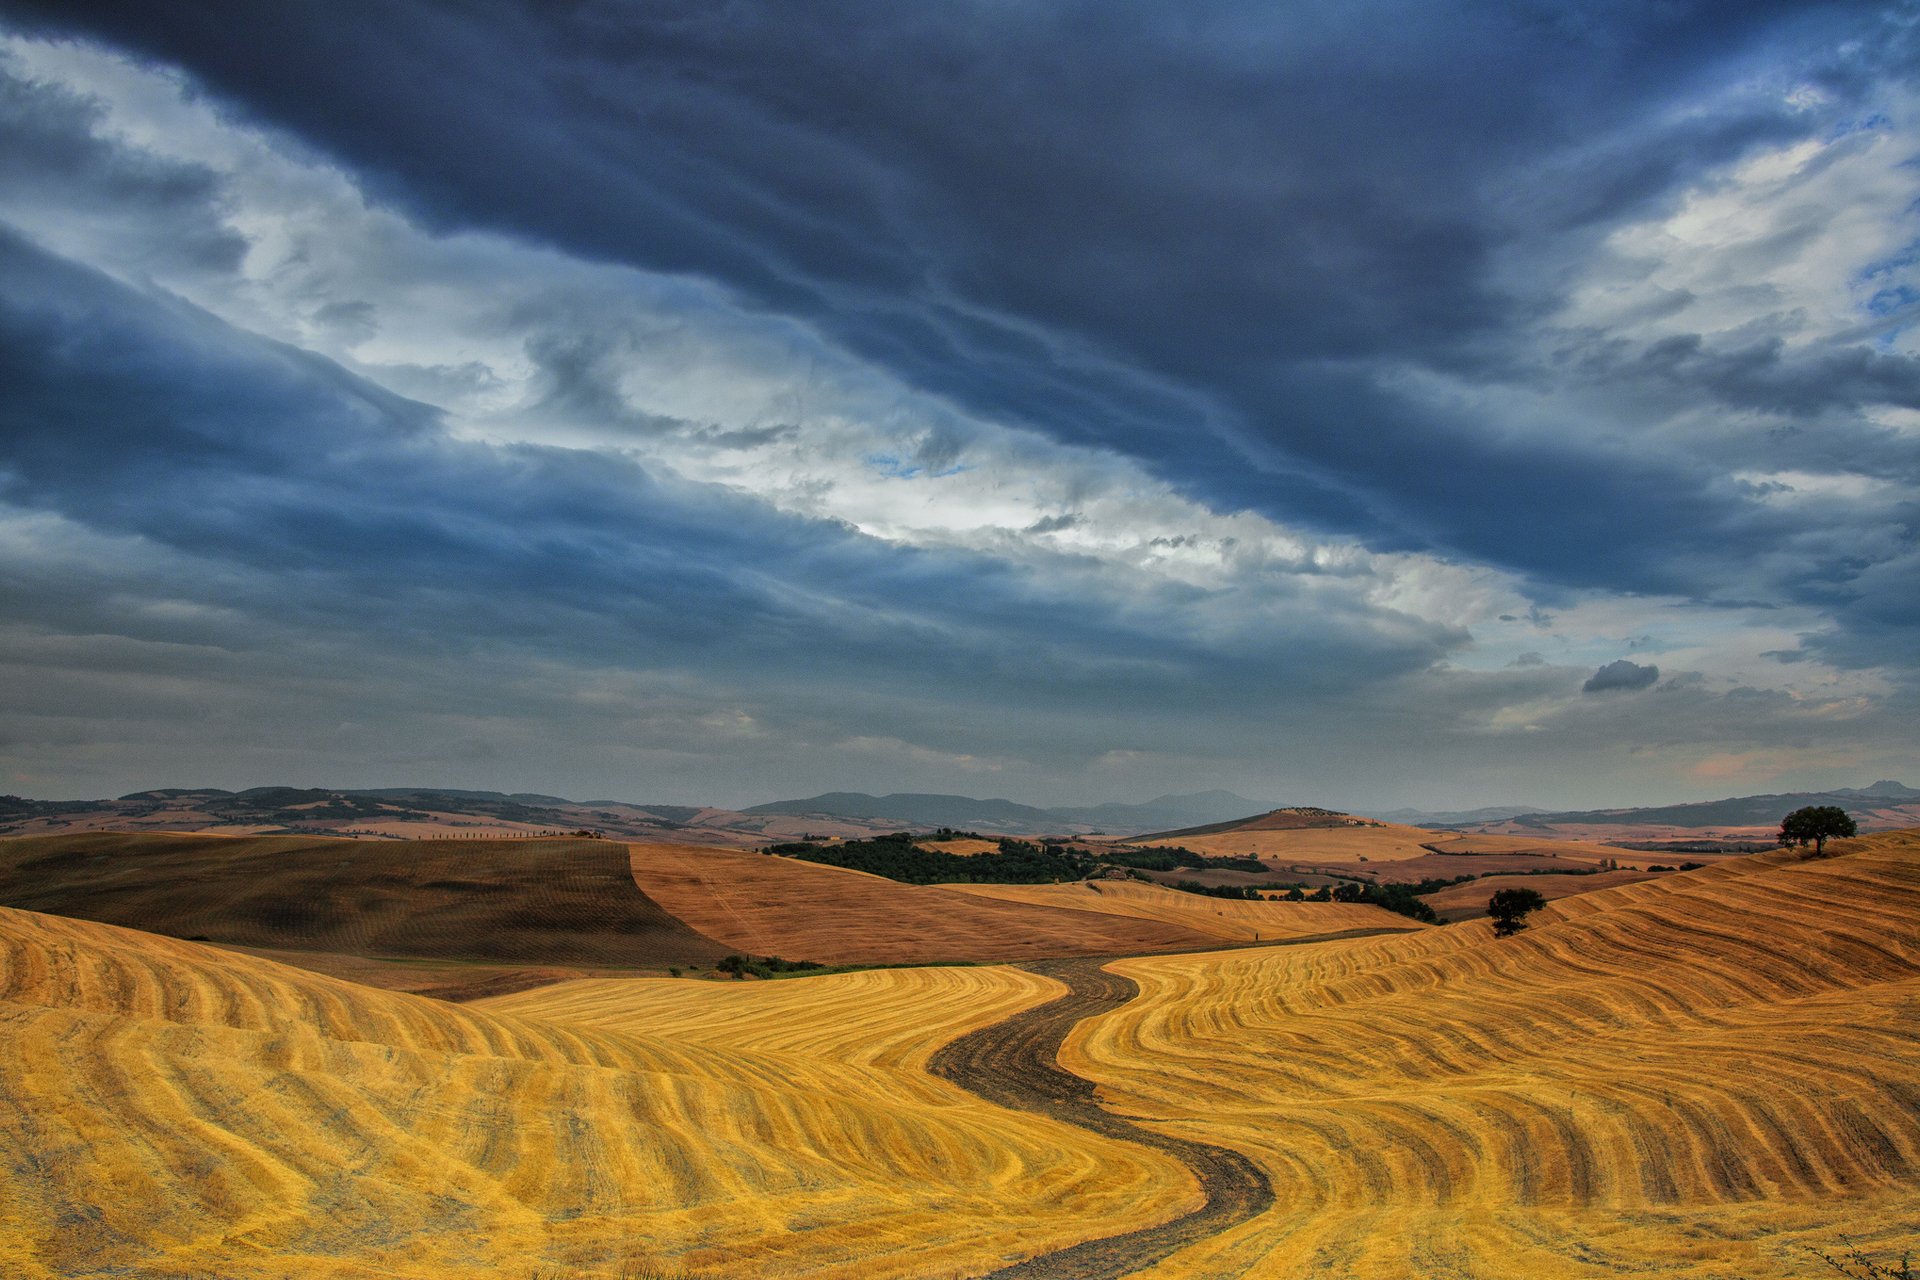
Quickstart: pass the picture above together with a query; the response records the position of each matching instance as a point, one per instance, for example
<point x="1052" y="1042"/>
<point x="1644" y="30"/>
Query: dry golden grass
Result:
<point x="1466" y="901"/>
<point x="1221" y="918"/>
<point x="962" y="846"/>
<point x="1701" y="1075"/>
<point x="805" y="911"/>
<point x="1384" y="843"/>
<point x="1481" y="845"/>
<point x="173" y="1110"/>
<point x="874" y="1017"/>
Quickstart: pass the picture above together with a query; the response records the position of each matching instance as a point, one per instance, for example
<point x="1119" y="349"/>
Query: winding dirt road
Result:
<point x="1015" y="1064"/>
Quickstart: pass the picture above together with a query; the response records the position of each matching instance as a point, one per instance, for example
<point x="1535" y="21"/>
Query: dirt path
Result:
<point x="1015" y="1064"/>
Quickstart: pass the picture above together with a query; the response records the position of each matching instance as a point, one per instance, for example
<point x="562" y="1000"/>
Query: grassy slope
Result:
<point x="806" y="911"/>
<point x="172" y="1110"/>
<point x="1701" y="1075"/>
<point x="1218" y="917"/>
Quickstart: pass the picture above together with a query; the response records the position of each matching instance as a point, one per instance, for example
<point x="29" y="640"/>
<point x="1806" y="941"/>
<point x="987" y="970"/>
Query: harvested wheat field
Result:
<point x="963" y="846"/>
<point x="1331" y="845"/>
<point x="1238" y="921"/>
<point x="170" y="1110"/>
<point x="805" y="911"/>
<point x="1468" y="901"/>
<point x="1706" y="1075"/>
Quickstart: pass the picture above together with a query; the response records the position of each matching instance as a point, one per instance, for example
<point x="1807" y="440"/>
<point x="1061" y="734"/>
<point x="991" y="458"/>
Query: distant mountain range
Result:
<point x="433" y="811"/>
<point x="1005" y="817"/>
<point x="1452" y="817"/>
<point x="1883" y="804"/>
<point x="415" y="811"/>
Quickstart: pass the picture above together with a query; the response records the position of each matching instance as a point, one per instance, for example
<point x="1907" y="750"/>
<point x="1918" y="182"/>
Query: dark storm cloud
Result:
<point x="50" y="152"/>
<point x="307" y="495"/>
<point x="1619" y="675"/>
<point x="1236" y="243"/>
<point x="1194" y="235"/>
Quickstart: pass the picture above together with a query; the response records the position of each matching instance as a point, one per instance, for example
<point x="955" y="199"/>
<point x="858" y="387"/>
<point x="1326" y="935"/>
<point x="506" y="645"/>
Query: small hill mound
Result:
<point x="1224" y="918"/>
<point x="1300" y="817"/>
<point x="1312" y="841"/>
<point x="548" y="902"/>
<point x="806" y="911"/>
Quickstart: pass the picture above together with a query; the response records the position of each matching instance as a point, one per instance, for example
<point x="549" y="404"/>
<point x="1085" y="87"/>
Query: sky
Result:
<point x="1371" y="404"/>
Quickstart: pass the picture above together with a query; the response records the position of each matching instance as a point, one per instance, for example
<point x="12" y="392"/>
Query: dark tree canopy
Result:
<point x="1815" y="825"/>
<point x="1509" y="909"/>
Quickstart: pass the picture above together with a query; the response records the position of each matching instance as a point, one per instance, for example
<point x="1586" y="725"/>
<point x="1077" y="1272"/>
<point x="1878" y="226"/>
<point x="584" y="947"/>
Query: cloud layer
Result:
<point x="691" y="403"/>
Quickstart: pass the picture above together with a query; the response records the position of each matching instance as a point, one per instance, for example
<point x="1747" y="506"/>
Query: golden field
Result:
<point x="171" y="1110"/>
<point x="1377" y="842"/>
<point x="1706" y="1075"/>
<point x="1238" y="921"/>
<point x="807" y="911"/>
<point x="1469" y="900"/>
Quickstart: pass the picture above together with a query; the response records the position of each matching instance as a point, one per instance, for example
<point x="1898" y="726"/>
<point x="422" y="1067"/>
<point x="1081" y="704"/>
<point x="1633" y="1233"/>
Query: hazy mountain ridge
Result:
<point x="1737" y="811"/>
<point x="1452" y="817"/>
<point x="1006" y="817"/>
<point x="391" y="811"/>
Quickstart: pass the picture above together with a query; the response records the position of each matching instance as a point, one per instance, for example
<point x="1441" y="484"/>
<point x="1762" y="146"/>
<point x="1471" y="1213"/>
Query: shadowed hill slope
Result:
<point x="805" y="911"/>
<point x="553" y="902"/>
<point x="1709" y="1074"/>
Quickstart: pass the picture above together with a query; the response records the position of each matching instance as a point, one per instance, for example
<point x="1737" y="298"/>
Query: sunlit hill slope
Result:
<point x="1710" y="1074"/>
<point x="171" y="1110"/>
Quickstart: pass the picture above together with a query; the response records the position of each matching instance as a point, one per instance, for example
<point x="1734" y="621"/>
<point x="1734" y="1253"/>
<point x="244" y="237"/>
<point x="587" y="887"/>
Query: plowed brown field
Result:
<point x="1705" y="1075"/>
<point x="1238" y="921"/>
<point x="805" y="911"/>
<point x="170" y="1111"/>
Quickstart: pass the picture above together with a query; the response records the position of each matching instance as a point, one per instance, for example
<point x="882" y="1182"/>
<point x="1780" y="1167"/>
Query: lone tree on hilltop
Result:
<point x="1815" y="825"/>
<point x="1509" y="909"/>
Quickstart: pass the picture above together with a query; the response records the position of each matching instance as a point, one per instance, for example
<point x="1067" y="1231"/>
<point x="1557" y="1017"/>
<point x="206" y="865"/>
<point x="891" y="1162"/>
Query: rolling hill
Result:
<point x="1706" y="1074"/>
<point x="1884" y="806"/>
<point x="1227" y="919"/>
<point x="490" y="909"/>
<point x="1300" y="835"/>
<point x="803" y="910"/>
<point x="1711" y="1074"/>
<point x="174" y="1112"/>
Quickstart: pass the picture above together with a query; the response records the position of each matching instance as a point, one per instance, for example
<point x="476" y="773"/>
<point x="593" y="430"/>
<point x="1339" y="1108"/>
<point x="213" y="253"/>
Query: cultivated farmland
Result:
<point x="1709" y="1074"/>
<point x="171" y="1110"/>
<point x="803" y="910"/>
<point x="1239" y="921"/>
